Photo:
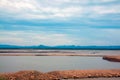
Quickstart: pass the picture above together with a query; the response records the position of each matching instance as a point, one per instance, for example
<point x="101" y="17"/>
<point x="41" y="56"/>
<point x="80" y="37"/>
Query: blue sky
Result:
<point x="60" y="22"/>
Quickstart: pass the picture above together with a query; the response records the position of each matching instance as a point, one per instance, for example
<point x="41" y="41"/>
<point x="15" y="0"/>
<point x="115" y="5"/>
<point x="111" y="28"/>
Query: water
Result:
<point x="101" y="52"/>
<point x="52" y="63"/>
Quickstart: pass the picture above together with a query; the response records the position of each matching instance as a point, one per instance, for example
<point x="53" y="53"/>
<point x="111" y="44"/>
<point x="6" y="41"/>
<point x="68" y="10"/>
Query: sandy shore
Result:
<point x="53" y="54"/>
<point x="61" y="75"/>
<point x="32" y="52"/>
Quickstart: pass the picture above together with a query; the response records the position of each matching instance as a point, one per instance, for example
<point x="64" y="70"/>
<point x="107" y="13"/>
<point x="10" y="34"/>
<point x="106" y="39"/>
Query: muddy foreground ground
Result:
<point x="59" y="75"/>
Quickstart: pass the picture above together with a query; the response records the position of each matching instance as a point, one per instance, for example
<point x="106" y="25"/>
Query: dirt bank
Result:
<point x="58" y="75"/>
<point x="112" y="58"/>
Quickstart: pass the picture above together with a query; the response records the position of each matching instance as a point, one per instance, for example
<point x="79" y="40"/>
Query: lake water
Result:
<point x="52" y="63"/>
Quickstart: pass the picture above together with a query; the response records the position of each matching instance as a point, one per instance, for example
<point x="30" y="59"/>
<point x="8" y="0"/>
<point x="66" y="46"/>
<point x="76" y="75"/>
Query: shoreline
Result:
<point x="59" y="75"/>
<point x="112" y="58"/>
<point x="56" y="54"/>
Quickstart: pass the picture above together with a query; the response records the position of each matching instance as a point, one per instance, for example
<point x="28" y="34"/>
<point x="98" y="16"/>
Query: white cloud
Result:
<point x="35" y="10"/>
<point x="31" y="38"/>
<point x="107" y="0"/>
<point x="55" y="9"/>
<point x="81" y="37"/>
<point x="17" y="5"/>
<point x="106" y="9"/>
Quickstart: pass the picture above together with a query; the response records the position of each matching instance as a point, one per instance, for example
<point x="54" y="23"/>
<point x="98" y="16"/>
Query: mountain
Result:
<point x="73" y="47"/>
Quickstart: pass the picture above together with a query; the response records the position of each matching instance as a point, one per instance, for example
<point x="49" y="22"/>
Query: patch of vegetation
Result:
<point x="2" y="78"/>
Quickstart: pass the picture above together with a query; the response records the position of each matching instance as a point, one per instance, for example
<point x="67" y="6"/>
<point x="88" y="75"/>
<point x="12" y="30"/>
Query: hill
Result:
<point x="73" y="47"/>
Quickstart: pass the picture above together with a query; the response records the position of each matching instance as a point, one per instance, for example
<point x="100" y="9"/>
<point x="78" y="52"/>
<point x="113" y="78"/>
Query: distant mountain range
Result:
<point x="72" y="47"/>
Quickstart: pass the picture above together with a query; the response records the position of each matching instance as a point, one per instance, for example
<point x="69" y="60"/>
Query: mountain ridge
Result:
<point x="7" y="46"/>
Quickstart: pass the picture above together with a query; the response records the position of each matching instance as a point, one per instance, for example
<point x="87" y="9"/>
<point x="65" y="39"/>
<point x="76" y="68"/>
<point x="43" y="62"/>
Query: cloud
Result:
<point x="16" y="5"/>
<point x="57" y="9"/>
<point x="69" y="37"/>
<point x="32" y="38"/>
<point x="106" y="10"/>
<point x="57" y="22"/>
<point x="34" y="10"/>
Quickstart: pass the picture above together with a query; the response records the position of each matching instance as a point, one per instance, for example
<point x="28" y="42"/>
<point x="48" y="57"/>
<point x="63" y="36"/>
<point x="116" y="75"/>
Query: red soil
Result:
<point x="58" y="75"/>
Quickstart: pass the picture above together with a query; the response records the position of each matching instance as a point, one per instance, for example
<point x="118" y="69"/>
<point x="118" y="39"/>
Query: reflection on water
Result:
<point x="50" y="63"/>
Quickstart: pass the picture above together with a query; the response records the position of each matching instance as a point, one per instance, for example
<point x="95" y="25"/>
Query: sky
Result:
<point x="60" y="22"/>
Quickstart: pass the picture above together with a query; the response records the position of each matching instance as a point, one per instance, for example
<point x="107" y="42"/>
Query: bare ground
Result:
<point x="61" y="75"/>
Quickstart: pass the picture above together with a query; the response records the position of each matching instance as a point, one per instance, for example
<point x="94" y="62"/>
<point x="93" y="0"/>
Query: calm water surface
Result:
<point x="51" y="63"/>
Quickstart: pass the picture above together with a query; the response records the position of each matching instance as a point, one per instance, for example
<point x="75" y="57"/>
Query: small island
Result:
<point x="112" y="58"/>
